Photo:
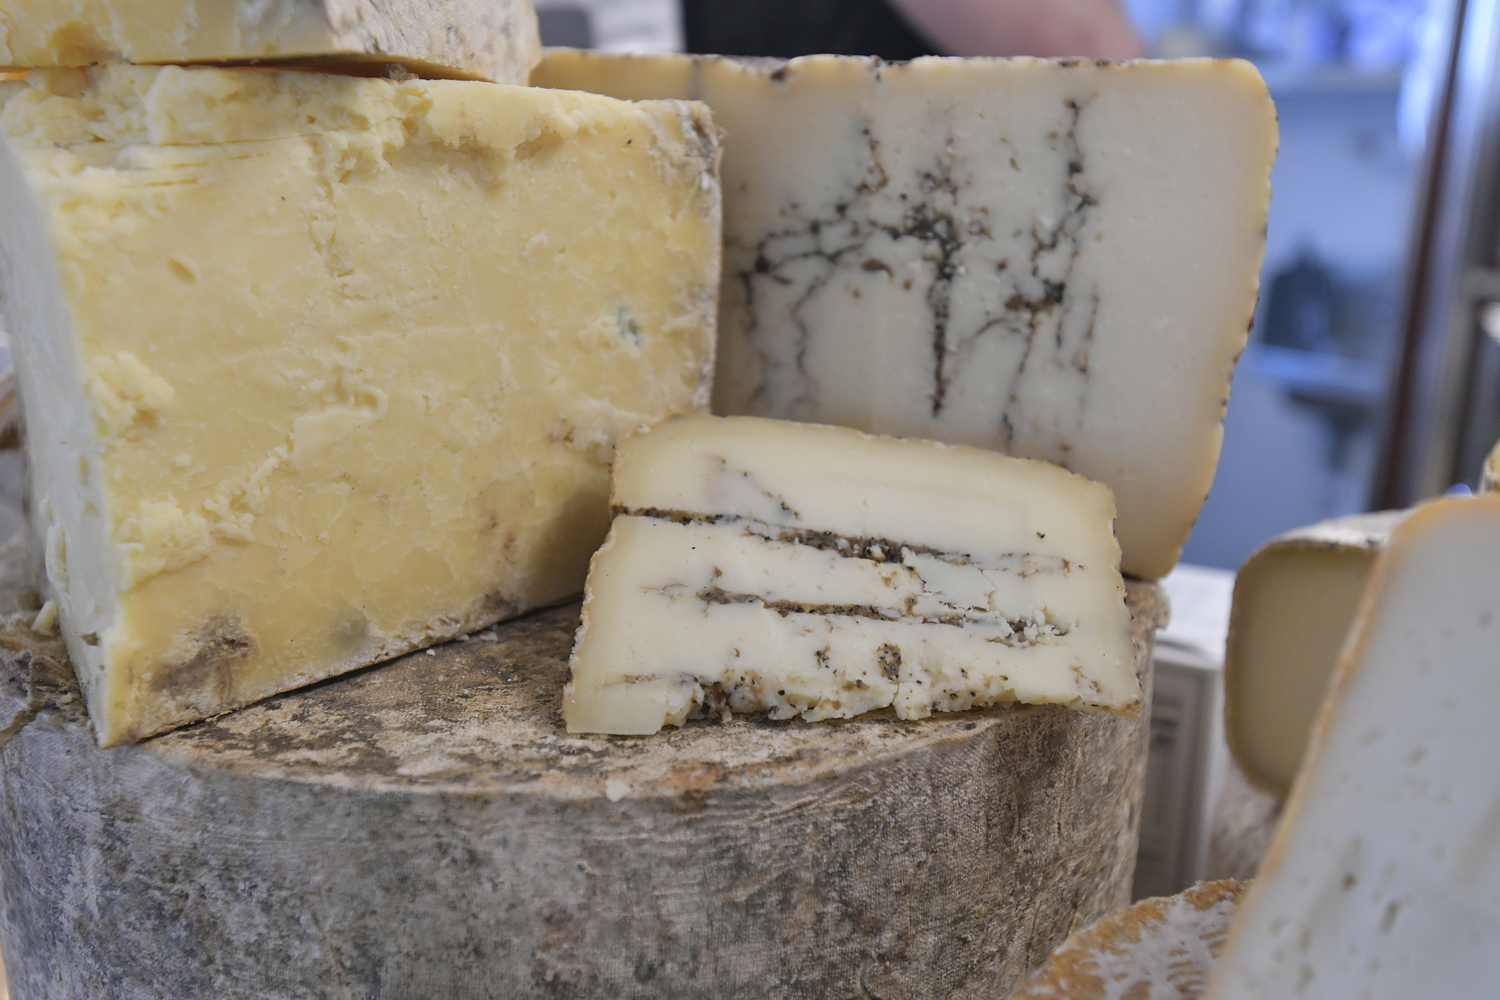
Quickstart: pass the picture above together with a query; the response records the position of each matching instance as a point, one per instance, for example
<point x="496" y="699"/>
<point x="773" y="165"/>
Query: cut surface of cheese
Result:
<point x="1384" y="878"/>
<point x="1294" y="601"/>
<point x="1161" y="948"/>
<point x="759" y="565"/>
<point x="319" y="369"/>
<point x="1057" y="260"/>
<point x="481" y="39"/>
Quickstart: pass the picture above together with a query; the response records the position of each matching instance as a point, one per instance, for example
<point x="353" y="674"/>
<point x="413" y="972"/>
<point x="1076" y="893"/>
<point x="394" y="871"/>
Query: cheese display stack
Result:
<point x="766" y="566"/>
<point x="1057" y="260"/>
<point x="1384" y="878"/>
<point x="482" y="39"/>
<point x="1294" y="601"/>
<point x="320" y="369"/>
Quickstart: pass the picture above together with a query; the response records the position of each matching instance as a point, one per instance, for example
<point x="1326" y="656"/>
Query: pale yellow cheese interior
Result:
<point x="1292" y="612"/>
<point x="318" y="369"/>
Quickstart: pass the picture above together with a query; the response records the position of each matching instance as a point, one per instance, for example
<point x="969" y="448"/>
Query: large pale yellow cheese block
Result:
<point x="320" y="369"/>
<point x="484" y="39"/>
<point x="760" y="565"/>
<point x="1053" y="259"/>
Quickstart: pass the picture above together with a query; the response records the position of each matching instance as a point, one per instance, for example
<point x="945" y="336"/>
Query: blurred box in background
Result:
<point x="1186" y="766"/>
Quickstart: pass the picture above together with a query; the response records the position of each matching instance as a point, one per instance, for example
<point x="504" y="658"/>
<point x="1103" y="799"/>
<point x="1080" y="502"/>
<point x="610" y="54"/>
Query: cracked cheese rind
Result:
<point x="1294" y="600"/>
<point x="760" y="565"/>
<point x="1057" y="260"/>
<point x="480" y="39"/>
<point x="1384" y="877"/>
<point x="318" y="369"/>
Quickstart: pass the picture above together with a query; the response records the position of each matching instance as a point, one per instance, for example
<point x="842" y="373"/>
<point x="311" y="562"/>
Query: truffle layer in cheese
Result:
<point x="1384" y="878"/>
<point x="320" y="369"/>
<point x="1057" y="260"/>
<point x="485" y="39"/>
<point x="1294" y="601"/>
<point x="765" y="566"/>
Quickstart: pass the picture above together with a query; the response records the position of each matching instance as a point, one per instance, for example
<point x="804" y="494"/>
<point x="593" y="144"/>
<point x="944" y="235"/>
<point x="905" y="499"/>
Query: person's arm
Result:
<point x="1098" y="29"/>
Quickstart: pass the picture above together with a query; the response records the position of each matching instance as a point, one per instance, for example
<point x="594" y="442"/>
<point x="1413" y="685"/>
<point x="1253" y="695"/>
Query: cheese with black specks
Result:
<point x="759" y="565"/>
<point x="1052" y="259"/>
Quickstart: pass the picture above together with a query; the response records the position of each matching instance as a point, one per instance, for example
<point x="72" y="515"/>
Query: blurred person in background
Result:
<point x="905" y="29"/>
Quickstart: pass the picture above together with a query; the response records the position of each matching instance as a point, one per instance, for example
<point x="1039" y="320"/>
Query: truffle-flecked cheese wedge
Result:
<point x="320" y="369"/>
<point x="484" y="39"/>
<point x="1057" y="260"/>
<point x="1294" y="601"/>
<point x="761" y="565"/>
<point x="1384" y="878"/>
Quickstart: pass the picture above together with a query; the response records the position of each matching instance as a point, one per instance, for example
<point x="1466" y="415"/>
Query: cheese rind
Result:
<point x="320" y="369"/>
<point x="1057" y="260"/>
<point x="1384" y="878"/>
<point x="765" y="566"/>
<point x="480" y="39"/>
<point x="1294" y="601"/>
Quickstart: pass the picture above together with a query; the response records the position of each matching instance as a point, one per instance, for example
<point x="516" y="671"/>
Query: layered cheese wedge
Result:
<point x="1053" y="259"/>
<point x="1384" y="877"/>
<point x="478" y="39"/>
<point x="319" y="369"/>
<point x="766" y="566"/>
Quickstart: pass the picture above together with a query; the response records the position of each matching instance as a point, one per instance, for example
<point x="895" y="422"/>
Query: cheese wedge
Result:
<point x="1489" y="477"/>
<point x="319" y="369"/>
<point x="1384" y="878"/>
<point x="480" y="39"/>
<point x="1057" y="260"/>
<point x="794" y="569"/>
<point x="1294" y="601"/>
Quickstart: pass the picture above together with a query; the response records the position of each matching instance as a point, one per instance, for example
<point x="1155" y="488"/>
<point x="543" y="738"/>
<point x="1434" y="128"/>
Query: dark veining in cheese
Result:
<point x="1036" y="300"/>
<point x="1023" y="564"/>
<point x="1029" y="632"/>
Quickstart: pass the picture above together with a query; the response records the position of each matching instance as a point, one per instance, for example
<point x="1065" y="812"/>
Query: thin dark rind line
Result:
<point x="851" y="546"/>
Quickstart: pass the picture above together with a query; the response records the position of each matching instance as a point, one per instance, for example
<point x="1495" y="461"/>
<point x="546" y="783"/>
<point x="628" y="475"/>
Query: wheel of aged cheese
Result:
<point x="427" y="829"/>
<point x="1158" y="949"/>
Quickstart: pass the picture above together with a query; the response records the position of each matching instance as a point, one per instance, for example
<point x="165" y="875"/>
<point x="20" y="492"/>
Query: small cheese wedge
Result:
<point x="760" y="565"/>
<point x="1294" y="601"/>
<point x="478" y="39"/>
<point x="1384" y="877"/>
<point x="1057" y="260"/>
<point x="1489" y="477"/>
<point x="321" y="369"/>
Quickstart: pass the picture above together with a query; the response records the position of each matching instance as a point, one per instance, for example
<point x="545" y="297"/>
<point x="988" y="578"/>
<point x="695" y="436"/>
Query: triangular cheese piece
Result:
<point x="1384" y="879"/>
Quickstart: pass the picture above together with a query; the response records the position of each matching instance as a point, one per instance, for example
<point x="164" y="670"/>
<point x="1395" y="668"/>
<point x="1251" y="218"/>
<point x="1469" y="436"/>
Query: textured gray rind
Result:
<point x="427" y="829"/>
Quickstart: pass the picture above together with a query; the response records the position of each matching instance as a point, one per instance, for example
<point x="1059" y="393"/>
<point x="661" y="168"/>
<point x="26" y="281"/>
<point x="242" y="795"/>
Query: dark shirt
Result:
<point x="786" y="28"/>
